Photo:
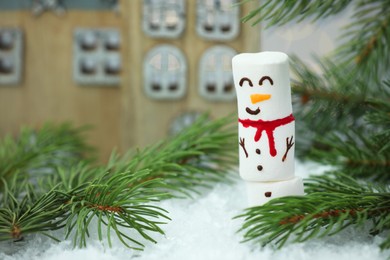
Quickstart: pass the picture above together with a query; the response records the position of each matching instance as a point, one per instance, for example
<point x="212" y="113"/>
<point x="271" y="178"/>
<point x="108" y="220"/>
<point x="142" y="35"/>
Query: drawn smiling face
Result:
<point x="262" y="85"/>
<point x="256" y="97"/>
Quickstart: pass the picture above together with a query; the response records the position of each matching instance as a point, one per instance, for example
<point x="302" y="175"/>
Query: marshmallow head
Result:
<point x="262" y="84"/>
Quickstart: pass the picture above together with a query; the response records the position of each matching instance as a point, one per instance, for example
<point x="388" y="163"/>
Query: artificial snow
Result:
<point x="203" y="228"/>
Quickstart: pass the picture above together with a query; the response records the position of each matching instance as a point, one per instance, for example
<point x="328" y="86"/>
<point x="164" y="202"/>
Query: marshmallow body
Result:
<point x="266" y="124"/>
<point x="262" y="192"/>
<point x="260" y="165"/>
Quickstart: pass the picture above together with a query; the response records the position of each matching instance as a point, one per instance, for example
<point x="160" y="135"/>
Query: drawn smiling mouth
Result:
<point x="252" y="112"/>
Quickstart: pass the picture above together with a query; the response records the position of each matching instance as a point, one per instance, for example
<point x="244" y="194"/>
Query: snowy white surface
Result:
<point x="203" y="228"/>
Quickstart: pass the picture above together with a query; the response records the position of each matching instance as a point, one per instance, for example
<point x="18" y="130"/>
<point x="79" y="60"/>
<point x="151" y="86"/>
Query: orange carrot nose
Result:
<point x="256" y="98"/>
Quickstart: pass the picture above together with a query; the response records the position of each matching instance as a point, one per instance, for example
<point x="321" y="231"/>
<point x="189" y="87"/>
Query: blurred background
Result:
<point x="135" y="70"/>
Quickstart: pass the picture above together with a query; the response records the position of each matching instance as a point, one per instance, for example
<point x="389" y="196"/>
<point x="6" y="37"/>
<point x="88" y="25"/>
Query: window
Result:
<point x="218" y="19"/>
<point x="163" y="18"/>
<point x="165" y="73"/>
<point x="11" y="53"/>
<point x="97" y="58"/>
<point x="216" y="80"/>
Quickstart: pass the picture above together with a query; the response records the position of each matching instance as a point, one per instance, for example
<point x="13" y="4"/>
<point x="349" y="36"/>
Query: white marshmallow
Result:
<point x="260" y="193"/>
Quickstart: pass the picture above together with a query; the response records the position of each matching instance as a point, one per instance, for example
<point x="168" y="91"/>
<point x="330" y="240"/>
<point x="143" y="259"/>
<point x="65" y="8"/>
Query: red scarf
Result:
<point x="268" y="127"/>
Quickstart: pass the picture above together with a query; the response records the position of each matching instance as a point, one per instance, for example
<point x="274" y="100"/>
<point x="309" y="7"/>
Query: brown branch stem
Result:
<point x="368" y="163"/>
<point x="329" y="214"/>
<point x="107" y="208"/>
<point x="308" y="93"/>
<point x="16" y="232"/>
<point x="371" y="44"/>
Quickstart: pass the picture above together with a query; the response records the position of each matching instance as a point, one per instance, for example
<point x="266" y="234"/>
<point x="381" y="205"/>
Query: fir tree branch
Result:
<point x="333" y="101"/>
<point x="362" y="154"/>
<point x="277" y="13"/>
<point x="40" y="152"/>
<point x="364" y="150"/>
<point x="197" y="157"/>
<point x="119" y="204"/>
<point x="121" y="195"/>
<point x="380" y="119"/>
<point x="200" y="155"/>
<point x="331" y="205"/>
<point x="367" y="38"/>
<point x="335" y="82"/>
<point x="23" y="214"/>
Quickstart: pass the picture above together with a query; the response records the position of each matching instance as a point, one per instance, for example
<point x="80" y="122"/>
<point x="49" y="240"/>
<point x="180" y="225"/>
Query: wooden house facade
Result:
<point x="130" y="68"/>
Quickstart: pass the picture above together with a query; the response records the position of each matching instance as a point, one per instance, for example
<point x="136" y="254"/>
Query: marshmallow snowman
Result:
<point x="266" y="126"/>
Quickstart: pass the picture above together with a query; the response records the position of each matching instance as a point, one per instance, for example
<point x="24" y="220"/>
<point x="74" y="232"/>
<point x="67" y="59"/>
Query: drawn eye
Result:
<point x="246" y="79"/>
<point x="266" y="78"/>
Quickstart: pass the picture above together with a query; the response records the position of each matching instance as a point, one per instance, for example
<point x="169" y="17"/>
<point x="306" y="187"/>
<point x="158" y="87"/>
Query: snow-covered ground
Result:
<point x="203" y="228"/>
